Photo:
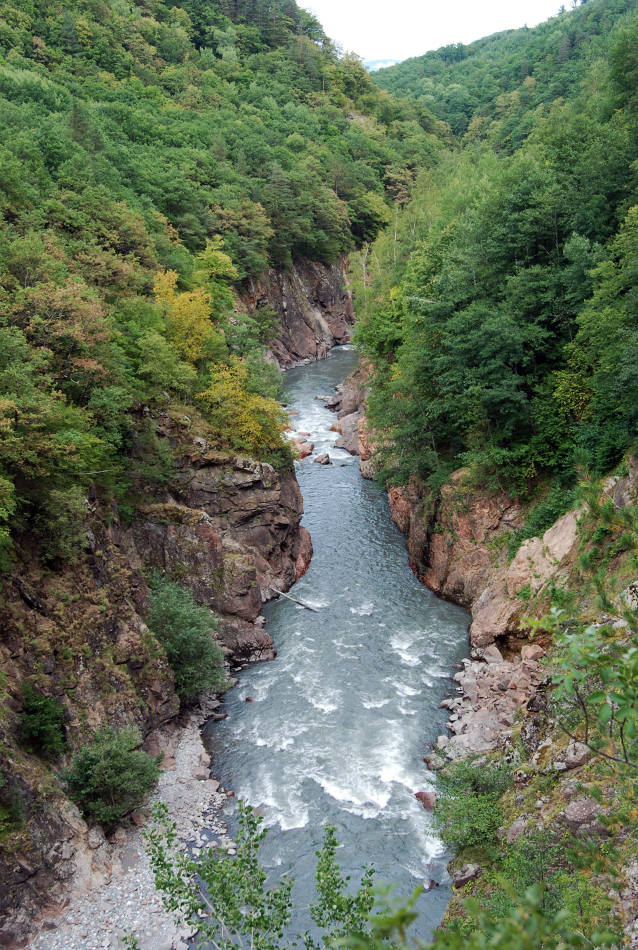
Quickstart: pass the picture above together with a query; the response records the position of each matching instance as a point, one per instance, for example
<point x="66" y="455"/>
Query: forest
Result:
<point x="156" y="156"/>
<point x="499" y="308"/>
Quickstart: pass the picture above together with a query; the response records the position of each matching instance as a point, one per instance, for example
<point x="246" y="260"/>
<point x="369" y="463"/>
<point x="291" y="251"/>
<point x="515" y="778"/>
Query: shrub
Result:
<point x="42" y="723"/>
<point x="470" y="821"/>
<point x="186" y="630"/>
<point x="110" y="776"/>
<point x="61" y="523"/>
<point x="469" y="812"/>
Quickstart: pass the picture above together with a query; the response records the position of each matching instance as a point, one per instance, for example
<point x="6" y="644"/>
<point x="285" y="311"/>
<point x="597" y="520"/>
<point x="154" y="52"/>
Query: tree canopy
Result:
<point x="499" y="311"/>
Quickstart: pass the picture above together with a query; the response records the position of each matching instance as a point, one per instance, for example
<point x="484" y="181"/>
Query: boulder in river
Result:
<point x="323" y="459"/>
<point x="427" y="799"/>
<point x="303" y="448"/>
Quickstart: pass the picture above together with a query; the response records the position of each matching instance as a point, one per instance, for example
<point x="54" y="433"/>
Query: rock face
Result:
<point x="454" y="543"/>
<point x="313" y="306"/>
<point x="227" y="528"/>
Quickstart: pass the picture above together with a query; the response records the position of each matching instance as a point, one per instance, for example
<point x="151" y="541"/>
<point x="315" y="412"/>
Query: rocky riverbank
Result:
<point x="125" y="900"/>
<point x="500" y="703"/>
<point x="229" y="529"/>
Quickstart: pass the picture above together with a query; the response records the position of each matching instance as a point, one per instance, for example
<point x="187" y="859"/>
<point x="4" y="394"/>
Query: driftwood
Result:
<point x="280" y="593"/>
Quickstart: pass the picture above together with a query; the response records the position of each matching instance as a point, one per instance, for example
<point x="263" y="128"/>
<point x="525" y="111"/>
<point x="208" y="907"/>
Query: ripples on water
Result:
<point x="339" y="721"/>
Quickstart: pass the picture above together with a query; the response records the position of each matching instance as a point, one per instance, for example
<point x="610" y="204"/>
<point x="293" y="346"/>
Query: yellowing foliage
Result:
<point x="243" y="421"/>
<point x="190" y="327"/>
<point x="214" y="263"/>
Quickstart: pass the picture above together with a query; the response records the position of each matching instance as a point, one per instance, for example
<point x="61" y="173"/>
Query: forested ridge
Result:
<point x="499" y="309"/>
<point x="493" y="87"/>
<point x="155" y="156"/>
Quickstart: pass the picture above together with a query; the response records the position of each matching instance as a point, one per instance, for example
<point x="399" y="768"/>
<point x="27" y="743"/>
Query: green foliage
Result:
<point x="526" y="927"/>
<point x="498" y="308"/>
<point x="111" y="775"/>
<point x="595" y="670"/>
<point x="180" y="147"/>
<point x="42" y="723"/>
<point x="559" y="866"/>
<point x="229" y="895"/>
<point x="233" y="907"/>
<point x="186" y="632"/>
<point x="11" y="806"/>
<point x="542" y="516"/>
<point x="598" y="673"/>
<point x="337" y="912"/>
<point x="496" y="87"/>
<point x="469" y="812"/>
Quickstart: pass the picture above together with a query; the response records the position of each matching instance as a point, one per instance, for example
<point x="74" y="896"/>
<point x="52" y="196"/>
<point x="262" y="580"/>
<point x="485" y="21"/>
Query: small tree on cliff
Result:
<point x="186" y="631"/>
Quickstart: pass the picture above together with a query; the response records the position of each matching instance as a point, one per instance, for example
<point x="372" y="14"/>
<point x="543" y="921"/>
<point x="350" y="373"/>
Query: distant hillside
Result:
<point x="481" y="88"/>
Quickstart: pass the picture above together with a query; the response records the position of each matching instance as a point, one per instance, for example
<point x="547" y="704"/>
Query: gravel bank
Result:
<point x="126" y="902"/>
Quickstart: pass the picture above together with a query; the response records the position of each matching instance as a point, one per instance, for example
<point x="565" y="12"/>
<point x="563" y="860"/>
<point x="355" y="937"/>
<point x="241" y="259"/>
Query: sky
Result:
<point x="396" y="29"/>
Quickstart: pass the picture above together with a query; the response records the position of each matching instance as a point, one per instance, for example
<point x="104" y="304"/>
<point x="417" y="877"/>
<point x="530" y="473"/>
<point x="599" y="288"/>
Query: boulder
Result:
<point x="365" y="449"/>
<point x="302" y="447"/>
<point x="348" y="426"/>
<point x="304" y="557"/>
<point x="516" y="829"/>
<point x="581" y="816"/>
<point x="575" y="755"/>
<point x="323" y="459"/>
<point x="465" y="874"/>
<point x="427" y="799"/>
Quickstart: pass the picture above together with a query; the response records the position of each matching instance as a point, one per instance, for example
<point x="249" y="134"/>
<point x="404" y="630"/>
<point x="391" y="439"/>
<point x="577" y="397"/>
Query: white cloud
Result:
<point x="402" y="28"/>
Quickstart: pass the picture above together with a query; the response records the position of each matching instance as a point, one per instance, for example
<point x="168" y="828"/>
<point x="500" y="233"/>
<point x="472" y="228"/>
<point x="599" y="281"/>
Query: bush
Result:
<point x="42" y="723"/>
<point x="110" y="776"/>
<point x="61" y="523"/>
<point x="469" y="811"/>
<point x="186" y="630"/>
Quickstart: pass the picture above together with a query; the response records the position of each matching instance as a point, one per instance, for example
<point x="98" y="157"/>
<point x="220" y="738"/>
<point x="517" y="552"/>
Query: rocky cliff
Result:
<point x="313" y="307"/>
<point x="228" y="528"/>
<point x="458" y="546"/>
<point x="502" y="706"/>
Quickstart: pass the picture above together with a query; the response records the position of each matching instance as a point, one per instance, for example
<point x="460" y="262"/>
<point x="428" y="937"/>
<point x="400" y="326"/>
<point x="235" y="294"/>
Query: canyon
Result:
<point x="227" y="527"/>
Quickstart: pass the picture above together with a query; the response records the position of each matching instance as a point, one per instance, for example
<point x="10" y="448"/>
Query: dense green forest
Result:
<point x="496" y="86"/>
<point x="499" y="309"/>
<point x="155" y="155"/>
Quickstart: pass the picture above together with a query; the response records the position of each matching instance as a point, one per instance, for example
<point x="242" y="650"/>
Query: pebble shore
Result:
<point x="127" y="901"/>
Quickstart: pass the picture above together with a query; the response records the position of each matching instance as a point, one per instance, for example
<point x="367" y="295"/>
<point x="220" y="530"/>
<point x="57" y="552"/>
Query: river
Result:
<point x="338" y="723"/>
